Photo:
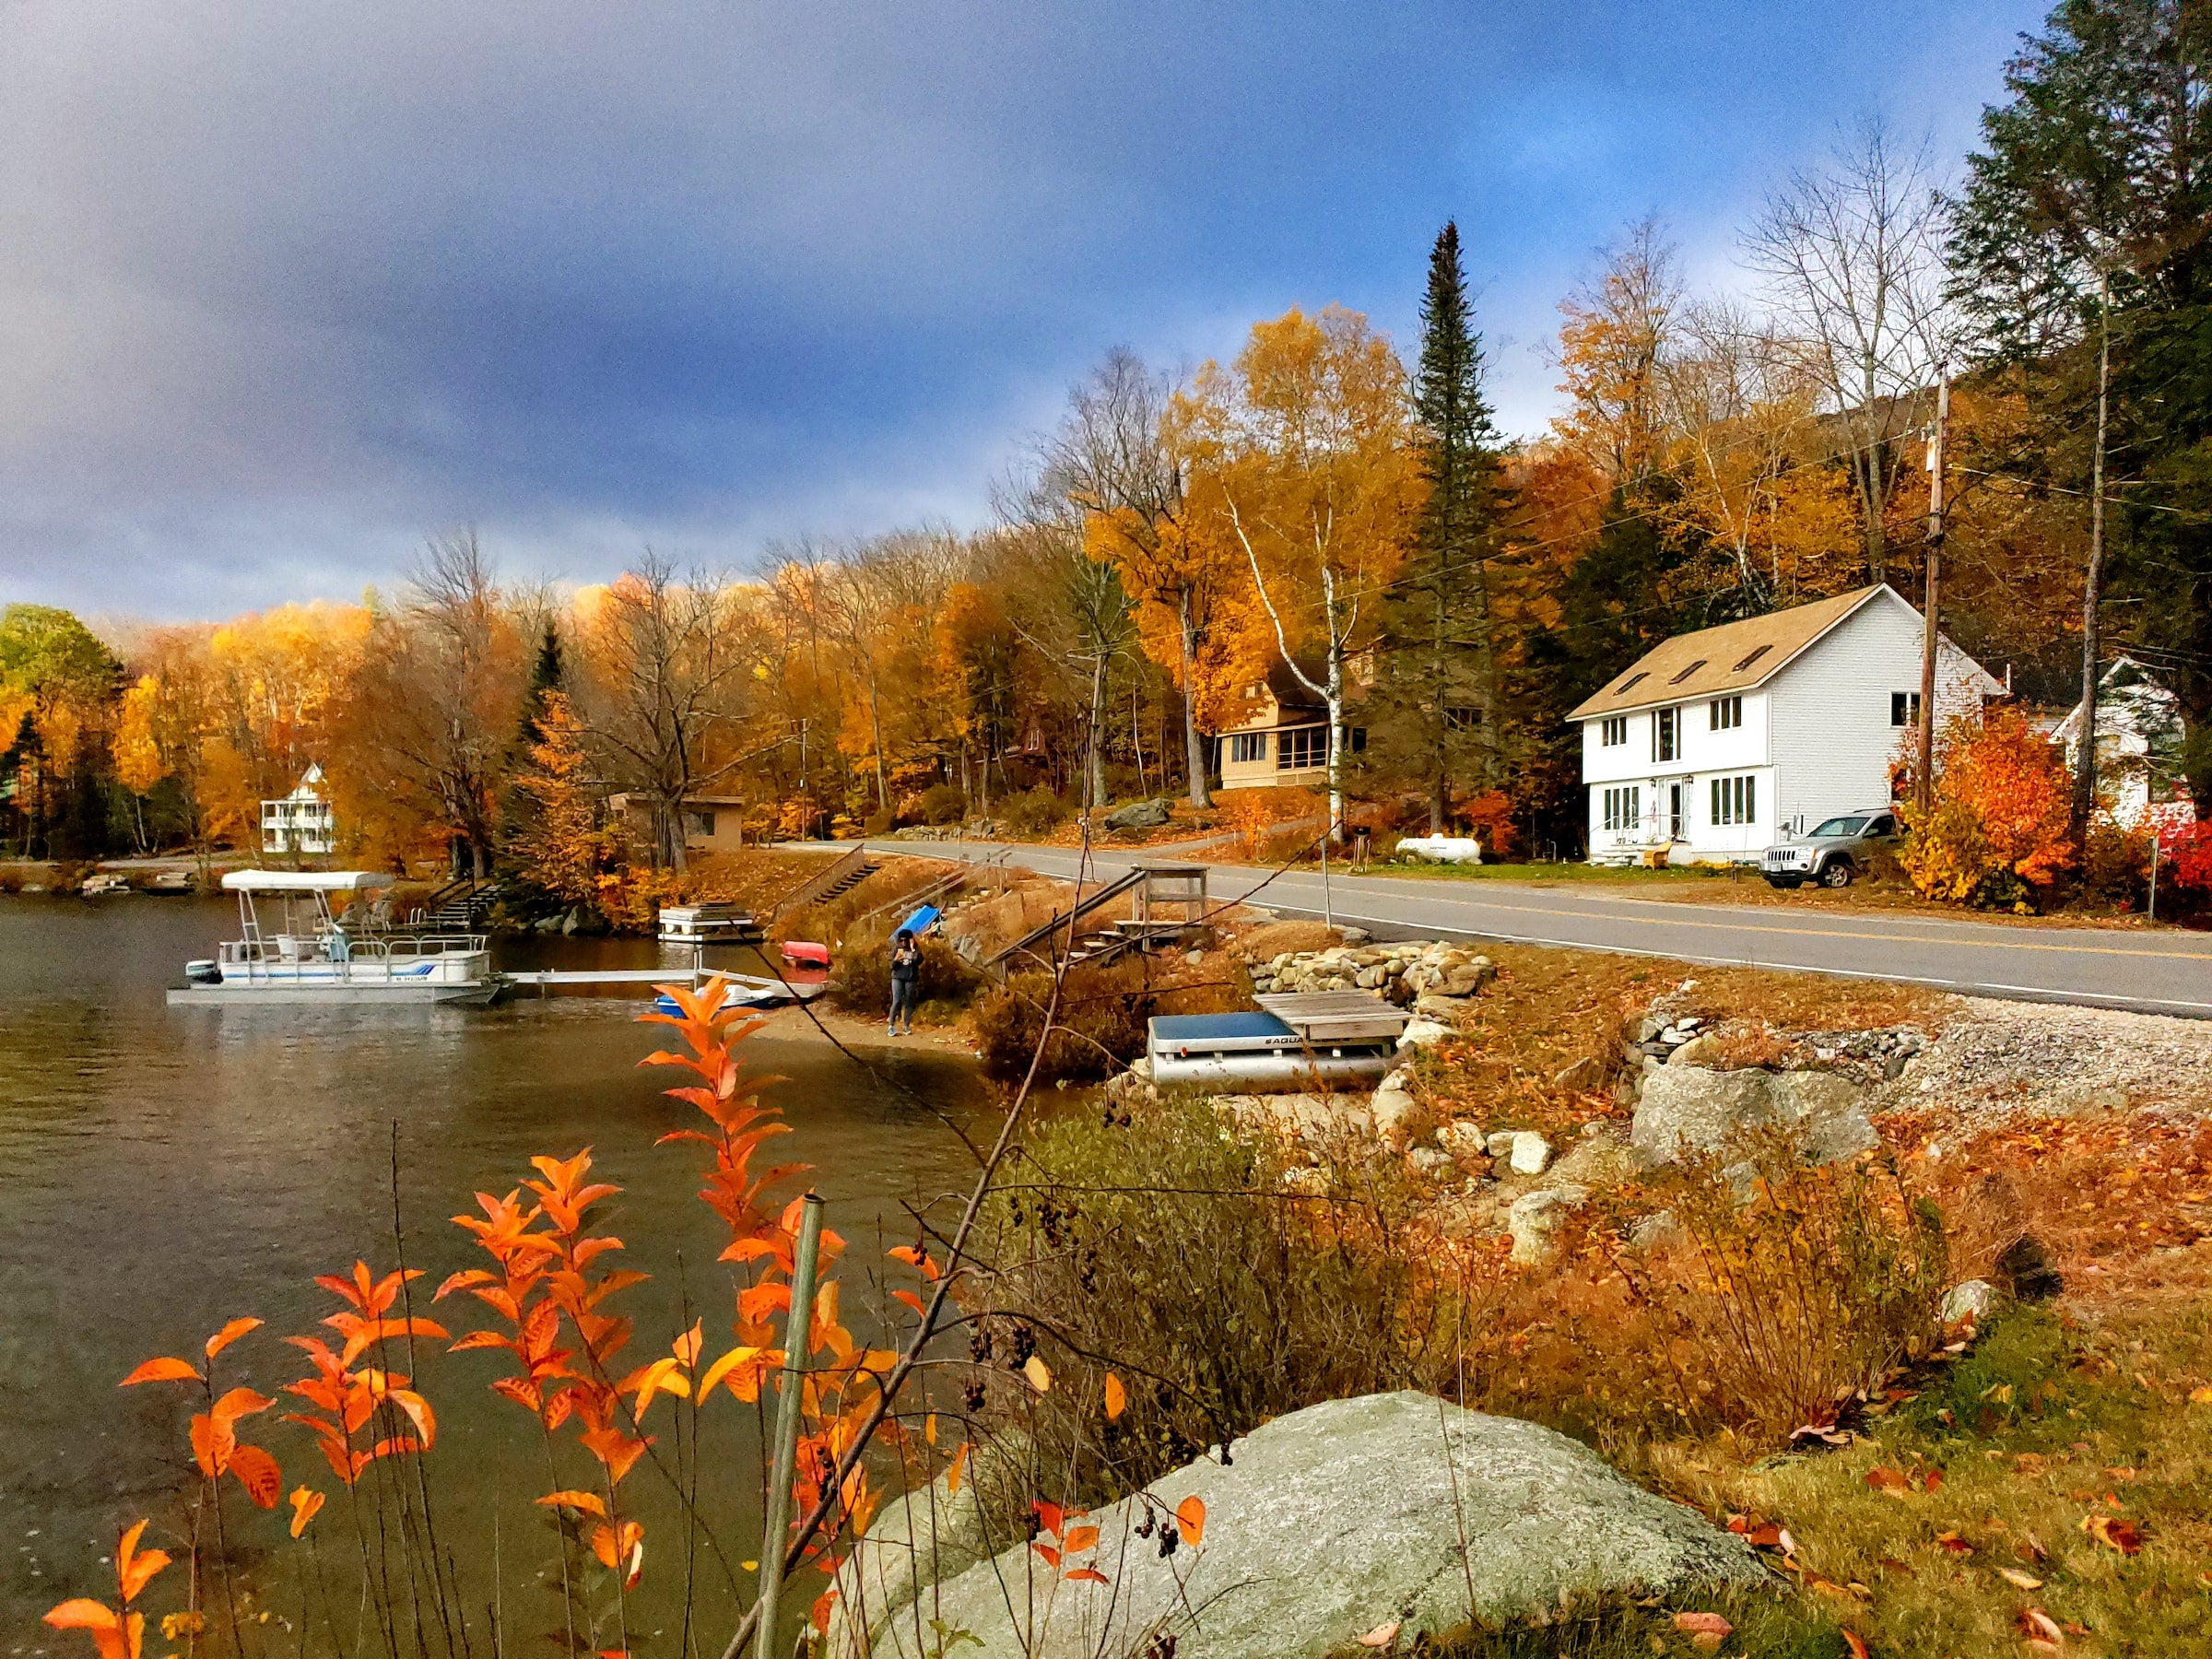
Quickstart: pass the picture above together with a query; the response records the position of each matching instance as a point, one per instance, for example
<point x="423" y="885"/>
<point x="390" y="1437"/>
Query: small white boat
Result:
<point x="105" y="883"/>
<point x="316" y="958"/>
<point x="750" y="990"/>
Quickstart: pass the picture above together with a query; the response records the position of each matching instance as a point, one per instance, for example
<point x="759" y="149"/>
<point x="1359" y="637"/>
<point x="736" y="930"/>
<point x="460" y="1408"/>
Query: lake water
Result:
<point x="164" y="1170"/>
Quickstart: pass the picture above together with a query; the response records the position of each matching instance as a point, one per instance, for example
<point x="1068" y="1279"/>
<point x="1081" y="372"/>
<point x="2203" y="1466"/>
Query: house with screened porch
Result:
<point x="1283" y="742"/>
<point x="1715" y="744"/>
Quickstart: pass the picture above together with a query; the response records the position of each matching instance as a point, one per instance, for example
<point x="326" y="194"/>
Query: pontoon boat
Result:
<point x="317" y="956"/>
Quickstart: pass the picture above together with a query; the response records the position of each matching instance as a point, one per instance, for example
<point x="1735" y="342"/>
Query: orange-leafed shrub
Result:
<point x="1998" y="826"/>
<point x="1490" y="817"/>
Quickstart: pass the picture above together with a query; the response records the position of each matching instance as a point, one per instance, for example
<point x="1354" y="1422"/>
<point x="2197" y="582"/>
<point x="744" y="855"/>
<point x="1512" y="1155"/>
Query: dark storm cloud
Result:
<point x="282" y="286"/>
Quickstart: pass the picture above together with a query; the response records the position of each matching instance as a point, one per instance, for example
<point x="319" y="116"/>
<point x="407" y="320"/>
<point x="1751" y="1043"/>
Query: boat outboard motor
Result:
<point x="202" y="972"/>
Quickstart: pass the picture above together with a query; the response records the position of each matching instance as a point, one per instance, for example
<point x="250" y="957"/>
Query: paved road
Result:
<point x="2159" y="973"/>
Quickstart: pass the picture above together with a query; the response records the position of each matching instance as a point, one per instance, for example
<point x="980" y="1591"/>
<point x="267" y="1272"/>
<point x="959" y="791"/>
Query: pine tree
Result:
<point x="522" y="809"/>
<point x="2079" y="257"/>
<point x="548" y="675"/>
<point x="1437" y="706"/>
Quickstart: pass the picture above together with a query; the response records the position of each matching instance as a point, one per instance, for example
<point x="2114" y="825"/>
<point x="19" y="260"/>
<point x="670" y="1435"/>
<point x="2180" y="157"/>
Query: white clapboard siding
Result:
<point x="1816" y="738"/>
<point x="1833" y="743"/>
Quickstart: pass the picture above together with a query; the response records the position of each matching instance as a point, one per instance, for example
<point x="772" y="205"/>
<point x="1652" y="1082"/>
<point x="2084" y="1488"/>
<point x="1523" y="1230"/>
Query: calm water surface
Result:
<point x="163" y="1170"/>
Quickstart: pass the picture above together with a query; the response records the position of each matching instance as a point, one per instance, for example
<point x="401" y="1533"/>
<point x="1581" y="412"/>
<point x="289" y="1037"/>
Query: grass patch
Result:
<point x="1770" y="1626"/>
<point x="2075" y="1479"/>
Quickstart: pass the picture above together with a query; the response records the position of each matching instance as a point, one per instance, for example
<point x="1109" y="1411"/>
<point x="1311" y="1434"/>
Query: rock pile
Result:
<point x="1873" y="1056"/>
<point x="1401" y="973"/>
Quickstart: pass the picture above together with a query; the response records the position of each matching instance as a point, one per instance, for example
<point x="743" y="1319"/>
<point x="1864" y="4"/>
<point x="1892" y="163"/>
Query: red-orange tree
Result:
<point x="1997" y="827"/>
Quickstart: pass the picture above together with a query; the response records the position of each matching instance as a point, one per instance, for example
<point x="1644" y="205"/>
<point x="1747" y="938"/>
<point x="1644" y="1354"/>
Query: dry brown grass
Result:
<point x="2118" y="1201"/>
<point x="1550" y="1009"/>
<point x="1270" y="939"/>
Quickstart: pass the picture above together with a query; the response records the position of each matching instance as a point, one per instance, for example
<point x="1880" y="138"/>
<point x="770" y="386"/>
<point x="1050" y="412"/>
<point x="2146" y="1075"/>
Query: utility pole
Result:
<point x="2092" y="587"/>
<point x="1924" y="770"/>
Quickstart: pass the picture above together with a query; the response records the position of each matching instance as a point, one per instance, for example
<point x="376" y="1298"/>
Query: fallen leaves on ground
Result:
<point x="1706" y="1630"/>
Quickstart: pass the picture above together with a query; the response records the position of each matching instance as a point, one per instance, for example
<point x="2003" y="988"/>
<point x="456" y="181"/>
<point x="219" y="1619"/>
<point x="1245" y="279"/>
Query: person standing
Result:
<point x="906" y="972"/>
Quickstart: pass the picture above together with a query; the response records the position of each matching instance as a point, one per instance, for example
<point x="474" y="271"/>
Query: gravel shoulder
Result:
<point x="2061" y="1061"/>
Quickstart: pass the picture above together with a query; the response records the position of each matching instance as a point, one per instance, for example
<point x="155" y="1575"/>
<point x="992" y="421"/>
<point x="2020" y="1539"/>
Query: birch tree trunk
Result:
<point x="1193" y="740"/>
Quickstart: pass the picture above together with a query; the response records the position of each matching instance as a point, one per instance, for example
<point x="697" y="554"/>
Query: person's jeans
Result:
<point x="903" y="1002"/>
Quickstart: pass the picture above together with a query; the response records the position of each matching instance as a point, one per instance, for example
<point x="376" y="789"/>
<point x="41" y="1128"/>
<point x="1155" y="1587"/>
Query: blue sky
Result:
<point x="284" y="288"/>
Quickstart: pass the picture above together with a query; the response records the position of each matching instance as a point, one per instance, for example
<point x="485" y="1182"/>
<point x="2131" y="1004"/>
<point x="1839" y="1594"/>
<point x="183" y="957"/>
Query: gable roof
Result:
<point x="1735" y="657"/>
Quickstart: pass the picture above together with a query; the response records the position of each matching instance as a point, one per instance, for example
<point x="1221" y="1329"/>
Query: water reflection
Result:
<point x="167" y="1170"/>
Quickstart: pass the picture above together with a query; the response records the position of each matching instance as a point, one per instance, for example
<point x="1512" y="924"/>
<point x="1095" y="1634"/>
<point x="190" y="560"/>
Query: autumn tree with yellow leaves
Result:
<point x="1303" y="450"/>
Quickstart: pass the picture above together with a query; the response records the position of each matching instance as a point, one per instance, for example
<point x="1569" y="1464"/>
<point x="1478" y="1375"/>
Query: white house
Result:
<point x="1716" y="744"/>
<point x="2139" y="744"/>
<point x="304" y="822"/>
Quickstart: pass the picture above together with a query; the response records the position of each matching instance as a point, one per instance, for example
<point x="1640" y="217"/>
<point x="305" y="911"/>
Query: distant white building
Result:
<point x="1717" y="744"/>
<point x="2139" y="744"/>
<point x="304" y="822"/>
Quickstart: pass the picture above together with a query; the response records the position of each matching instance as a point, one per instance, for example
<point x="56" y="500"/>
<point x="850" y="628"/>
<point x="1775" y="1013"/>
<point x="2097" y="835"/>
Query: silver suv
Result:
<point x="1834" y="852"/>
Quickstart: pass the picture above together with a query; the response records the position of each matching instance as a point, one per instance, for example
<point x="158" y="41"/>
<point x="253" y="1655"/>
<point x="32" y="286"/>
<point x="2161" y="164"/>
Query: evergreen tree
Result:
<point x="523" y="810"/>
<point x="1436" y="706"/>
<point x="2082" y="229"/>
<point x="1614" y="605"/>
<point x="548" y="674"/>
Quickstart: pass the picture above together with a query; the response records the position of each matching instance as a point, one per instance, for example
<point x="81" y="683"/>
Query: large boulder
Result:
<point x="1139" y="815"/>
<point x="1324" y="1118"/>
<point x="1827" y="1112"/>
<point x="933" y="1533"/>
<point x="1698" y="1109"/>
<point x="1328" y="1523"/>
<point x="1399" y="1119"/>
<point x="1695" y="1107"/>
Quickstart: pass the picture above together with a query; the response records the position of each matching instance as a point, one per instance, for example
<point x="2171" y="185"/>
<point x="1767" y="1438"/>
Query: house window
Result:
<point x="1904" y="707"/>
<point x="1357" y="738"/>
<point x="1626" y="686"/>
<point x="1736" y="800"/>
<point x="1301" y="747"/>
<point x="1687" y="672"/>
<point x="1727" y="714"/>
<point x="1752" y="659"/>
<point x="1623" y="807"/>
<point x="1246" y="747"/>
<point x="1666" y="735"/>
<point x="702" y="823"/>
<point x="1613" y="731"/>
<point x="1462" y="720"/>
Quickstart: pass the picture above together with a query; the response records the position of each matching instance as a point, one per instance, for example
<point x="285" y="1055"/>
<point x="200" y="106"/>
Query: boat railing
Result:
<point x="285" y="949"/>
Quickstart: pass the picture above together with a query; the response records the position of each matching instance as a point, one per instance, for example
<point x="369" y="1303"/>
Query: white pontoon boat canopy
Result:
<point x="303" y="881"/>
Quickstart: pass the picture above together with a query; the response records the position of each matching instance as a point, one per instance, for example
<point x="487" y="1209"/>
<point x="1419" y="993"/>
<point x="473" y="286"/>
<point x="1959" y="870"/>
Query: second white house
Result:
<point x="1715" y="745"/>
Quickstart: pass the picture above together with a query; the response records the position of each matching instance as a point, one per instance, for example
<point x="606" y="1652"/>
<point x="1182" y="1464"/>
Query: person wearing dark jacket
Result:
<point x="906" y="971"/>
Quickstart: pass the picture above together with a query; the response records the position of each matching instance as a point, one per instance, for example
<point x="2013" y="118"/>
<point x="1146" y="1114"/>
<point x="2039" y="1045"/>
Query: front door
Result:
<point x="1677" y="812"/>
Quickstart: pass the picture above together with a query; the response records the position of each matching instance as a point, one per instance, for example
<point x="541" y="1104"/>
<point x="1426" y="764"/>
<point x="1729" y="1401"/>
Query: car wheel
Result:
<point x="1837" y="873"/>
<point x="1789" y="883"/>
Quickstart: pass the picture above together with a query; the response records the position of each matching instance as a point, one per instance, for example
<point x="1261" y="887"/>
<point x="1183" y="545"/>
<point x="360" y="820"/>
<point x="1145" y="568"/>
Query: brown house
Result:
<point x="1285" y="743"/>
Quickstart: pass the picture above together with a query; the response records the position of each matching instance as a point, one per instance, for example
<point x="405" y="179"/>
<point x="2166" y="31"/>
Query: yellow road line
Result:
<point x="2201" y="958"/>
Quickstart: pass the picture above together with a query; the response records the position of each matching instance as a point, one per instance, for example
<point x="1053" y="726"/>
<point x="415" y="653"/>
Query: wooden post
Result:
<point x="797" y="1329"/>
<point x="1923" y="772"/>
